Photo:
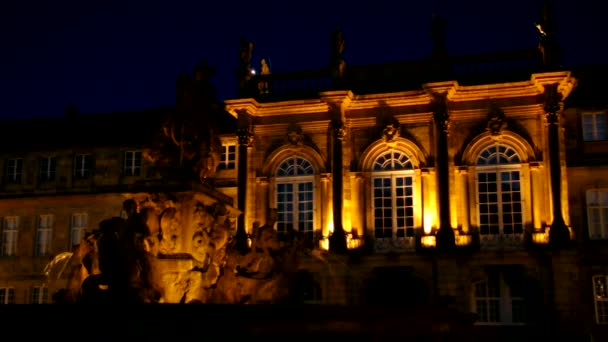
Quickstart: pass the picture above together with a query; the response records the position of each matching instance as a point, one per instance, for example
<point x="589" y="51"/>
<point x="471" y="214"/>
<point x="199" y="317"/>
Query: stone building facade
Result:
<point x="473" y="183"/>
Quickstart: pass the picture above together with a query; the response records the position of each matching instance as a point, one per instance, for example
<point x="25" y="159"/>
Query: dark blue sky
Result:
<point x="104" y="56"/>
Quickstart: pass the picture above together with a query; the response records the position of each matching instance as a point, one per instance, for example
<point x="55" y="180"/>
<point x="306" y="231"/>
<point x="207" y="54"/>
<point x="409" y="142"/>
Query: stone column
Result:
<point x="245" y="141"/>
<point x="536" y="178"/>
<point x="463" y="198"/>
<point x="559" y="235"/>
<point x="445" y="235"/>
<point x="337" y="241"/>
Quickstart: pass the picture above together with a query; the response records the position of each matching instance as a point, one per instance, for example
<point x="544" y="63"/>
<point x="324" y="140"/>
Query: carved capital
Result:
<point x="245" y="137"/>
<point x="552" y="103"/>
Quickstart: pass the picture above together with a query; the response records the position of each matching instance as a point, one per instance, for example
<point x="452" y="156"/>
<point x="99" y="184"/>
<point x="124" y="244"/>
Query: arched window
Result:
<point x="393" y="196"/>
<point x="294" y="195"/>
<point x="499" y="192"/>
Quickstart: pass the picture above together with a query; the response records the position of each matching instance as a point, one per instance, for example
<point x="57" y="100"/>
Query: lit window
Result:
<point x="14" y="170"/>
<point x="499" y="193"/>
<point x="594" y="126"/>
<point x="9" y="235"/>
<point x="83" y="165"/>
<point x="597" y="214"/>
<point x="80" y="223"/>
<point x="44" y="234"/>
<point x="600" y="298"/>
<point x="294" y="191"/>
<point x="39" y="295"/>
<point x="7" y="295"/>
<point x="228" y="157"/>
<point x="47" y="168"/>
<point x="132" y="165"/>
<point x="393" y="196"/>
<point x="497" y="302"/>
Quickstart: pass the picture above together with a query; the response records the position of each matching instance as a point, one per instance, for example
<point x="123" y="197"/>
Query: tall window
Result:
<point x="83" y="165"/>
<point x="10" y="230"/>
<point x="600" y="298"/>
<point x="393" y="196"/>
<point x="294" y="191"/>
<point x="594" y="126"/>
<point x="14" y="170"/>
<point x="495" y="302"/>
<point x="7" y="295"/>
<point x="597" y="214"/>
<point x="47" y="168"/>
<point x="499" y="193"/>
<point x="80" y="222"/>
<point x="39" y="295"/>
<point x="132" y="165"/>
<point x="44" y="233"/>
<point x="228" y="157"/>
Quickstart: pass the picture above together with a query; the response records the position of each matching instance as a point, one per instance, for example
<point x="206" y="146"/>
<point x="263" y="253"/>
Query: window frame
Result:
<point x="78" y="229"/>
<point x="14" y="174"/>
<point x="295" y="180"/>
<point x="7" y="295"/>
<point x="226" y="162"/>
<point x="132" y="169"/>
<point x="602" y="209"/>
<point x="596" y="133"/>
<point x="44" y="235"/>
<point x="12" y="231"/>
<point x="498" y="169"/>
<point x="39" y="295"/>
<point x="47" y="168"/>
<point x="83" y="169"/>
<point x="505" y="300"/>
<point x="600" y="303"/>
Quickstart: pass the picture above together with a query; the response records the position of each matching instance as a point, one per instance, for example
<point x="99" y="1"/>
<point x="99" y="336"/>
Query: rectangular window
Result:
<point x="393" y="206"/>
<point x="47" y="167"/>
<point x="132" y="166"/>
<point x="594" y="126"/>
<point x="10" y="229"/>
<point x="80" y="222"/>
<point x="228" y="158"/>
<point x="295" y="207"/>
<point x="14" y="170"/>
<point x="44" y="233"/>
<point x="7" y="295"/>
<point x="39" y="295"/>
<point x="83" y="166"/>
<point x="497" y="301"/>
<point x="500" y="207"/>
<point x="597" y="214"/>
<point x="600" y="297"/>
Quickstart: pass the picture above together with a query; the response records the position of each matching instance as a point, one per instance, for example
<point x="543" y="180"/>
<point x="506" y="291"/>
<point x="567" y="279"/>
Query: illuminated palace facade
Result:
<point x="480" y="184"/>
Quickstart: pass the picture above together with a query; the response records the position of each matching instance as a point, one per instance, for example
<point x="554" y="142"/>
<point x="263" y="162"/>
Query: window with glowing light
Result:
<point x="497" y="301"/>
<point x="44" y="233"/>
<point x="600" y="298"/>
<point x="47" y="168"/>
<point x="294" y="196"/>
<point x="228" y="157"/>
<point x="597" y="214"/>
<point x="7" y="295"/>
<point x="499" y="193"/>
<point x="594" y="126"/>
<point x="132" y="163"/>
<point x="39" y="295"/>
<point x="393" y="196"/>
<point x="10" y="230"/>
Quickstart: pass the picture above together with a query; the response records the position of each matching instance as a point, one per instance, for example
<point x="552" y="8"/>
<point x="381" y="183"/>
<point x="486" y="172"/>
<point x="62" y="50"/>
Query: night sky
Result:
<point x="105" y="56"/>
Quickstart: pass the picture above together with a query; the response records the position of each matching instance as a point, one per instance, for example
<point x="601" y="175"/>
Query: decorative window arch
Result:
<point x="392" y="196"/>
<point x="499" y="193"/>
<point x="295" y="195"/>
